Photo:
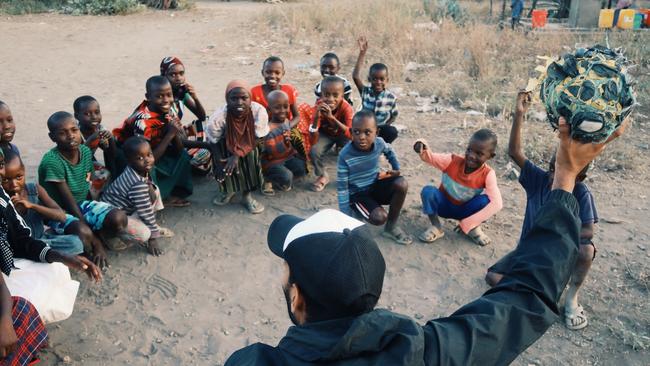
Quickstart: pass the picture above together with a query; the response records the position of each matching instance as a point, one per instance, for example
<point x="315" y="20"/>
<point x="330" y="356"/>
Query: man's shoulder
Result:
<point x="256" y="354"/>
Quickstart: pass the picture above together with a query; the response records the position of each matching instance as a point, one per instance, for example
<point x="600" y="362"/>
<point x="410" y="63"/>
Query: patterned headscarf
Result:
<point x="590" y="88"/>
<point x="168" y="62"/>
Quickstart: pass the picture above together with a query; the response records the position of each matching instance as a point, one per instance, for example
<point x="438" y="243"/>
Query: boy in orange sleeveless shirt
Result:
<point x="468" y="191"/>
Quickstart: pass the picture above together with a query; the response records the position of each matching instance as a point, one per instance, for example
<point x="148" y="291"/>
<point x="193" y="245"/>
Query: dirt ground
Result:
<point x="217" y="287"/>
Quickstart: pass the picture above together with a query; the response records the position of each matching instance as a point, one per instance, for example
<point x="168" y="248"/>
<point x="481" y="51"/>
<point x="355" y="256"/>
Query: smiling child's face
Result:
<point x="7" y="124"/>
<point x="89" y="116"/>
<point x="329" y="67"/>
<point x="478" y="152"/>
<point x="273" y="73"/>
<point x="332" y="94"/>
<point x="279" y="108"/>
<point x="160" y="98"/>
<point x="378" y="80"/>
<point x="238" y="101"/>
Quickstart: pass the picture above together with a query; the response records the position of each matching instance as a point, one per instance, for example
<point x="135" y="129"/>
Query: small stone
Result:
<point x="67" y="359"/>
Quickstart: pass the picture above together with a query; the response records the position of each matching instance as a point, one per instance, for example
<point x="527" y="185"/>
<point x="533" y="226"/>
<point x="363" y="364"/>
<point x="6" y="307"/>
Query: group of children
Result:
<point x="261" y="139"/>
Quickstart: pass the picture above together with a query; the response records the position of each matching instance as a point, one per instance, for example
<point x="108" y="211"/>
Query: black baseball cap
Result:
<point x="332" y="258"/>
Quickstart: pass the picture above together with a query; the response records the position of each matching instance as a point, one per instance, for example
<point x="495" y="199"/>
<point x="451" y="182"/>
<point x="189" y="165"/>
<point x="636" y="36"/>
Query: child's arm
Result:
<point x="109" y="153"/>
<point x="586" y="232"/>
<point x="390" y="155"/>
<point x="8" y="338"/>
<point x="496" y="203"/>
<point x="327" y="115"/>
<point x="49" y="210"/>
<point x="342" y="191"/>
<point x="393" y="114"/>
<point x="69" y="203"/>
<point x="438" y="161"/>
<point x="356" y="73"/>
<point x="295" y="113"/>
<point x="514" y="146"/>
<point x="170" y="136"/>
<point x="193" y="103"/>
<point x="315" y="125"/>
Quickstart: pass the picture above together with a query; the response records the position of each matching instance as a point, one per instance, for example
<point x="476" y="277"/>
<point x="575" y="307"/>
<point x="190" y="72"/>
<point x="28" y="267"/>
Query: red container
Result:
<point x="539" y="18"/>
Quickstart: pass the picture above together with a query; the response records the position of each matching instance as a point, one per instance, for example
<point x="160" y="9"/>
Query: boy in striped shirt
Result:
<point x="135" y="193"/>
<point x="362" y="188"/>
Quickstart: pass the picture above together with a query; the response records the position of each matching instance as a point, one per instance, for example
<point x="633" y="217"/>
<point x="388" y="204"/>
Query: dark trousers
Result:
<point x="282" y="175"/>
<point x="388" y="133"/>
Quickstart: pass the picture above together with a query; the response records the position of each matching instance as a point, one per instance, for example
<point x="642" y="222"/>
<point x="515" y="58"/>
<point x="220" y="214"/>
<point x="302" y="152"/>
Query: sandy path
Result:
<point x="216" y="288"/>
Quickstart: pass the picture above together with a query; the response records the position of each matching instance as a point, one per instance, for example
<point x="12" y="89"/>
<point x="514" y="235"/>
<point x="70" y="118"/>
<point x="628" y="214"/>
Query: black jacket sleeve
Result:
<point x="19" y="234"/>
<point x="507" y="319"/>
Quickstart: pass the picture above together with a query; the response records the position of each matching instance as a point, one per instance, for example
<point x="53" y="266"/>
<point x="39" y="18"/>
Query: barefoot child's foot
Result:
<point x="176" y="202"/>
<point x="397" y="235"/>
<point x="431" y="234"/>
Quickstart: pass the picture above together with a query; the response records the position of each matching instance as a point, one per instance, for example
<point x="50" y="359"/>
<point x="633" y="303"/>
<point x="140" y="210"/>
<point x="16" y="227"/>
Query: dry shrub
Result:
<point x="471" y="62"/>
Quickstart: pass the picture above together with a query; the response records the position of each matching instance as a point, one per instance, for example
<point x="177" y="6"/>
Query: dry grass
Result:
<point x="473" y="63"/>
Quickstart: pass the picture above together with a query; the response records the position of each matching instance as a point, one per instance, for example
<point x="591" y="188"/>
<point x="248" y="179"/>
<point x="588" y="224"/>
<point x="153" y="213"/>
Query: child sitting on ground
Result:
<point x="64" y="173"/>
<point x="331" y="123"/>
<point x="7" y="128"/>
<point x="376" y="97"/>
<point x="330" y="66"/>
<point x="135" y="193"/>
<point x="362" y="188"/>
<point x="235" y="130"/>
<point x="87" y="112"/>
<point x="273" y="72"/>
<point x="281" y="162"/>
<point x="185" y="96"/>
<point x="155" y="120"/>
<point x="468" y="191"/>
<point x="537" y="184"/>
<point x="33" y="203"/>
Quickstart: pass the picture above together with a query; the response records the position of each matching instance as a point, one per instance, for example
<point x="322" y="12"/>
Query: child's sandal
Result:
<point x="223" y="199"/>
<point x="267" y="189"/>
<point x="431" y="234"/>
<point x="165" y="232"/>
<point x="320" y="184"/>
<point x="478" y="236"/>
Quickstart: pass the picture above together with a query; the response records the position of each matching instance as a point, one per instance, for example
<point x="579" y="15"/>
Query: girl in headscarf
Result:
<point x="235" y="129"/>
<point x="185" y="96"/>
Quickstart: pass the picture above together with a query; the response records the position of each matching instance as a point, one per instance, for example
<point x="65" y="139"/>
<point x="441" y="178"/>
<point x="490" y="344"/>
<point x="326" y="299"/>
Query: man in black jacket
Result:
<point x="334" y="276"/>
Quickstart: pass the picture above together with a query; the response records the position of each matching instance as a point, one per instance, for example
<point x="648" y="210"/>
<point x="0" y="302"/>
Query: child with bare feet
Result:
<point x="64" y="173"/>
<point x="135" y="193"/>
<point x="330" y="126"/>
<point x="537" y="184"/>
<point x="281" y="163"/>
<point x="362" y="188"/>
<point x="468" y="192"/>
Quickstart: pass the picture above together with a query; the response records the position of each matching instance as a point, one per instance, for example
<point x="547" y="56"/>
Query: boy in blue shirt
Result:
<point x="537" y="183"/>
<point x="362" y="188"/>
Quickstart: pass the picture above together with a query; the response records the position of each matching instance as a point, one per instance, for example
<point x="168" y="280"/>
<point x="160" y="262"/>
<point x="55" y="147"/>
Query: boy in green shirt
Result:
<point x="65" y="172"/>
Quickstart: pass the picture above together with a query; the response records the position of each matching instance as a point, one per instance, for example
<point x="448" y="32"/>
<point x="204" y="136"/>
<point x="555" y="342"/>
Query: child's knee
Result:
<point x="428" y="192"/>
<point x="401" y="185"/>
<point x="378" y="216"/>
<point x="492" y="278"/>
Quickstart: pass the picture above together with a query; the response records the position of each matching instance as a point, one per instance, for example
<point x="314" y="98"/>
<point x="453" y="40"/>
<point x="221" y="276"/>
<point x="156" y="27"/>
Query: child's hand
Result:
<point x="363" y="44"/>
<point x="153" y="248"/>
<point x="419" y="146"/>
<point x="81" y="263"/>
<point x="523" y="102"/>
<point x="104" y="138"/>
<point x="388" y="174"/>
<point x="231" y="165"/>
<point x="325" y="111"/>
<point x="19" y="201"/>
<point x="190" y="90"/>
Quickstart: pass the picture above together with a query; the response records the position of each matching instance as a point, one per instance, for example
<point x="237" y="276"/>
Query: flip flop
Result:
<point x="431" y="234"/>
<point x="253" y="206"/>
<point x="575" y="319"/>
<point x="267" y="189"/>
<point x="320" y="184"/>
<point x="398" y="236"/>
<point x="223" y="199"/>
<point x="476" y="235"/>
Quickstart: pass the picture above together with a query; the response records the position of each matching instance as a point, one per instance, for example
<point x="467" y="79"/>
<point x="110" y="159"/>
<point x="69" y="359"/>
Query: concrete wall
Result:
<point x="584" y="13"/>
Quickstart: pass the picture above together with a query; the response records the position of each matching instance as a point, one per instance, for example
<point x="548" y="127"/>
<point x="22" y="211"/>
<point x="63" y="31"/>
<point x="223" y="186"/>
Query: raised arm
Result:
<point x="507" y="319"/>
<point x="356" y="73"/>
<point x="515" y="150"/>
